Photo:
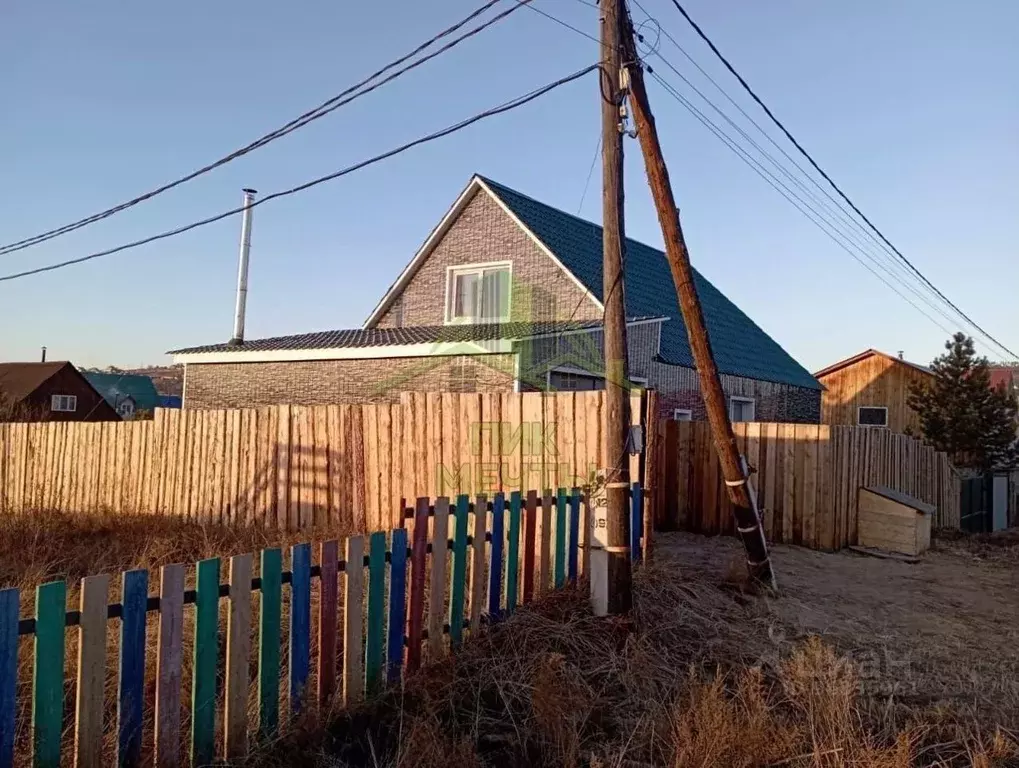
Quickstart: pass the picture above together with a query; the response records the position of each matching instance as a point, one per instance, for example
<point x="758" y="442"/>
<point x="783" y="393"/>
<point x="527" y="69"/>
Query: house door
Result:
<point x="975" y="507"/>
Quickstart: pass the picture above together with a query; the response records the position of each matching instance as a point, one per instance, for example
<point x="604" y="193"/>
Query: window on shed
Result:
<point x="567" y="381"/>
<point x="64" y="403"/>
<point x="682" y="414"/>
<point x="872" y="416"/>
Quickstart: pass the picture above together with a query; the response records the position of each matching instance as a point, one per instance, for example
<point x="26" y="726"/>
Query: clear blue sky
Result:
<point x="911" y="105"/>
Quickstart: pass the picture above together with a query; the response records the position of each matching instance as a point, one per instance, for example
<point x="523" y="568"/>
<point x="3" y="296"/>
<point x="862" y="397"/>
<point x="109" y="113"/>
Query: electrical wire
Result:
<point x="834" y="234"/>
<point x="505" y="107"/>
<point x="590" y="173"/>
<point x="700" y="32"/>
<point x="880" y="258"/>
<point x="330" y="105"/>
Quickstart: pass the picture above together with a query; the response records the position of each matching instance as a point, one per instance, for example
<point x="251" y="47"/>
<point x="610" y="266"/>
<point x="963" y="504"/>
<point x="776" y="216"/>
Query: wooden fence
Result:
<point x="294" y="467"/>
<point x="481" y="559"/>
<point x="807" y="478"/>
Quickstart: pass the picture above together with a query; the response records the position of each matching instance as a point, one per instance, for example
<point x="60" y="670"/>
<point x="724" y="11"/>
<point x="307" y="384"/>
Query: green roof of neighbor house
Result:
<point x="114" y="387"/>
<point x="740" y="347"/>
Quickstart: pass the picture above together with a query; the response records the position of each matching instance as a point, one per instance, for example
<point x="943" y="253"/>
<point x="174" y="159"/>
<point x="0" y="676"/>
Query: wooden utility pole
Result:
<point x="617" y="395"/>
<point x="734" y="469"/>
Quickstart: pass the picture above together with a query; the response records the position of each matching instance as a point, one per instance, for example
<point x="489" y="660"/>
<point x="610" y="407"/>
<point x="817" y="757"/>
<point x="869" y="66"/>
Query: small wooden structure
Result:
<point x="893" y="521"/>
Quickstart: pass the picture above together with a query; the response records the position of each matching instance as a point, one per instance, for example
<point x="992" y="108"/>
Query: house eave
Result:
<point x="437" y="349"/>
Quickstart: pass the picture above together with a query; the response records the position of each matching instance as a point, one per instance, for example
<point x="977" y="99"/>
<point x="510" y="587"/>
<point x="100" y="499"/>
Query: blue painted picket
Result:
<point x="375" y="643"/>
<point x="495" y="571"/>
<point x="131" y="695"/>
<point x="300" y="623"/>
<point x="397" y="604"/>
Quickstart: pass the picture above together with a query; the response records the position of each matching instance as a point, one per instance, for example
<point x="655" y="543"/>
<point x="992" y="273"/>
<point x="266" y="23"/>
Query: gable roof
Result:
<point x="1003" y="377"/>
<point x="19" y="380"/>
<point x="863" y="356"/>
<point x="114" y="387"/>
<point x="739" y="345"/>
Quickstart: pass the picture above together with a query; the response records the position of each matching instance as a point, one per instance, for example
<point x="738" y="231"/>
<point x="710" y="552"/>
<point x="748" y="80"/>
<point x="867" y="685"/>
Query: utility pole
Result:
<point x="734" y="468"/>
<point x="617" y="395"/>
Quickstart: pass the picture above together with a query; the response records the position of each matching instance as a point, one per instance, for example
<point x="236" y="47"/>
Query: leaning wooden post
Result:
<point x="734" y="469"/>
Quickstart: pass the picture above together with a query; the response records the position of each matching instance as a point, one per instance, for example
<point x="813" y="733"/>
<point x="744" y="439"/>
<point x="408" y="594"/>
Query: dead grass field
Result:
<point x="860" y="662"/>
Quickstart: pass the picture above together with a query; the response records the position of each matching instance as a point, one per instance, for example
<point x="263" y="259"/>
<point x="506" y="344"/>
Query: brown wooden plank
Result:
<point x="810" y="484"/>
<point x="238" y="651"/>
<point x="327" y="615"/>
<point x="283" y="463"/>
<point x="790" y="512"/>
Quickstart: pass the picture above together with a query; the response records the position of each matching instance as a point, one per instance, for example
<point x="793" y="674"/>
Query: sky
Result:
<point x="911" y="106"/>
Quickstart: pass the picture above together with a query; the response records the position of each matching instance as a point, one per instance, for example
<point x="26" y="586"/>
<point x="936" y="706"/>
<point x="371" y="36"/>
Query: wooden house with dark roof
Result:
<point x="51" y="391"/>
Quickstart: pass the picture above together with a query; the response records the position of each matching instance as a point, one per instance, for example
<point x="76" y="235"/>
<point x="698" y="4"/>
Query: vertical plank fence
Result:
<point x="806" y="477"/>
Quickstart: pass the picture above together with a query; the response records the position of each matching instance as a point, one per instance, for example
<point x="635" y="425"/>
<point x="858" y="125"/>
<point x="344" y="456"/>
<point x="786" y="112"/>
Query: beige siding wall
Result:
<point x="876" y="381"/>
<point x="324" y="382"/>
<point x="541" y="290"/>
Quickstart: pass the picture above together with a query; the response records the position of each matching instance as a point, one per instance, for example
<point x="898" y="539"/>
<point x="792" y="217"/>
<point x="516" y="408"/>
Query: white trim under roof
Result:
<point x="432" y="349"/>
<point x="473" y="186"/>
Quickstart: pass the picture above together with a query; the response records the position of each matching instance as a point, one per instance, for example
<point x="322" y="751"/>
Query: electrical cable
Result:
<point x="330" y="105"/>
<point x="700" y="32"/>
<point x="505" y="107"/>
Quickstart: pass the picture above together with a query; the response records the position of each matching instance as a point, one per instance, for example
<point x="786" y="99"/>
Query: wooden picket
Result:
<point x="380" y="646"/>
<point x="294" y="467"/>
<point x="806" y="479"/>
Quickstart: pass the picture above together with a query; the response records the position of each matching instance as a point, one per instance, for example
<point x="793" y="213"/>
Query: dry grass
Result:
<point x="47" y="546"/>
<point x="679" y="684"/>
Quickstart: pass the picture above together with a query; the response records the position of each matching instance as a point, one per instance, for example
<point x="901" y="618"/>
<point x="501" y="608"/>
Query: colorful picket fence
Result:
<point x="494" y="556"/>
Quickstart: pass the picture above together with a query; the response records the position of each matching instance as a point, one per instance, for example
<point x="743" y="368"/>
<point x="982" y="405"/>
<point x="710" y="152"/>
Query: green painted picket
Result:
<point x="393" y="625"/>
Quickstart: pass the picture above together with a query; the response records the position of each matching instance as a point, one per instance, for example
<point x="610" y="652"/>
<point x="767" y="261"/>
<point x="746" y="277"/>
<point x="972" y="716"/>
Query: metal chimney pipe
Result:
<point x="242" y="268"/>
<point x="43" y="355"/>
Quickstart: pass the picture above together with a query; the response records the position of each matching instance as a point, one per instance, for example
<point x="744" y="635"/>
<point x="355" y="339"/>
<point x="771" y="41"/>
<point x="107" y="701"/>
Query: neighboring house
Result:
<point x="125" y="392"/>
<point x="54" y="391"/>
<point x="1006" y="377"/>
<point x="504" y="295"/>
<point x="871" y="389"/>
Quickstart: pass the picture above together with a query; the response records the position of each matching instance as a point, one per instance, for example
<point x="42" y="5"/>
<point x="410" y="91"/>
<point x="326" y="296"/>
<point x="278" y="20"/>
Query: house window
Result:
<point x="570" y="381"/>
<point x="741" y="409"/>
<point x="478" y="294"/>
<point x="872" y="416"/>
<point x="682" y="414"/>
<point x="64" y="403"/>
<point x="126" y="408"/>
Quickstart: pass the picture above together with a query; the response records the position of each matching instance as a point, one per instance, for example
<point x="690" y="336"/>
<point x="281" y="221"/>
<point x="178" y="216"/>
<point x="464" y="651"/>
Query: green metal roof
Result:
<point x="740" y="347"/>
<point x="114" y="387"/>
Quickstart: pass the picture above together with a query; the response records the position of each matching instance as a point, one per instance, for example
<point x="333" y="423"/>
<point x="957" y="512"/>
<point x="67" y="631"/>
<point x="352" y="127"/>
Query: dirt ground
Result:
<point x="938" y="635"/>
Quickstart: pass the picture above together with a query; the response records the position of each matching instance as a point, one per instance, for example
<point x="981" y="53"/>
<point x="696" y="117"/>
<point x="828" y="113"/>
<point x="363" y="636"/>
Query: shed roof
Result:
<point x="863" y="356"/>
<point x="19" y="380"/>
<point x="902" y="498"/>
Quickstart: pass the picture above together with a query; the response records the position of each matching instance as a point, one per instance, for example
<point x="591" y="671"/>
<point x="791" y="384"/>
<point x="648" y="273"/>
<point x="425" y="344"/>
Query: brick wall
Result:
<point x="484" y="232"/>
<point x="318" y="382"/>
<point x="679" y="387"/>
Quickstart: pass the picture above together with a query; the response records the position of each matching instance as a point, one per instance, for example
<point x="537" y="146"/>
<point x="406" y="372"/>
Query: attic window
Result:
<point x="478" y="293"/>
<point x="872" y="416"/>
<point x="64" y="403"/>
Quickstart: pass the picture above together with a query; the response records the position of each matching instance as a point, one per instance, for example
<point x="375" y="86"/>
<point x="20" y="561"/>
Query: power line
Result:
<point x="829" y="216"/>
<point x="330" y="105"/>
<point x="833" y="233"/>
<point x="700" y="32"/>
<point x="505" y="107"/>
<point x="590" y="173"/>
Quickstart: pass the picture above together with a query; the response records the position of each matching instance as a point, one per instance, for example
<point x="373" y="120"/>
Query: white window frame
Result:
<point x="875" y="408"/>
<point x="480" y="269"/>
<point x="741" y="399"/>
<point x="63" y="403"/>
<point x="682" y="414"/>
<point x="126" y="404"/>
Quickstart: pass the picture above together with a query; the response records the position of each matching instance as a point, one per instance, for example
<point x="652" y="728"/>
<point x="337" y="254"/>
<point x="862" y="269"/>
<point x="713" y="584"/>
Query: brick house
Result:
<point x="504" y="295"/>
<point x="53" y="391"/>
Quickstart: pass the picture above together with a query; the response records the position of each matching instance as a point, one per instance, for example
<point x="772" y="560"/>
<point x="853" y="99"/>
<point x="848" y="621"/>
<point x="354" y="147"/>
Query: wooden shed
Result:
<point x="871" y="389"/>
<point x="892" y="521"/>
